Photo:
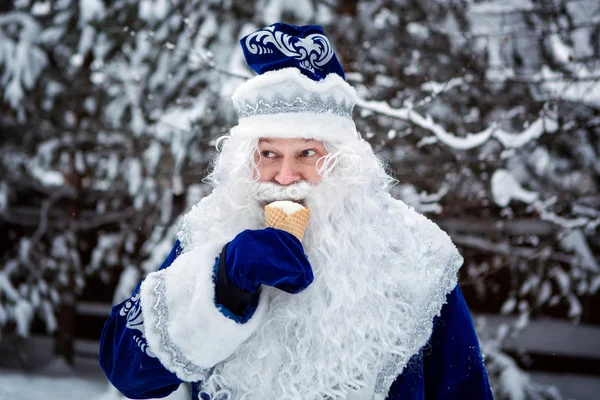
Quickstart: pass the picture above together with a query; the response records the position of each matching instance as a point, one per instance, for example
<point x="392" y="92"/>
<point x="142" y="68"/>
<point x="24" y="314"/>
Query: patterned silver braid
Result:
<point x="297" y="104"/>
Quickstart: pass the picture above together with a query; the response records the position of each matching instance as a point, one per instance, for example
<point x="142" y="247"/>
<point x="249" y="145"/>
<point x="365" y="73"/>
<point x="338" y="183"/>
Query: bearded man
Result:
<point x="364" y="305"/>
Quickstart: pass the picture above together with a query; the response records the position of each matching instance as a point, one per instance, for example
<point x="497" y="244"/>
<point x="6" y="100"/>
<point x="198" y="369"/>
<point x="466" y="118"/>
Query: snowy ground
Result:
<point x="577" y="387"/>
<point x="54" y="379"/>
<point x="86" y="381"/>
<point x="57" y="381"/>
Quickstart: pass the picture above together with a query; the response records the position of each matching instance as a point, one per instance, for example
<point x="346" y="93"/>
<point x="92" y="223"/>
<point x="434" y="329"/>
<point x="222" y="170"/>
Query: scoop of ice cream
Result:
<point x="288" y="216"/>
<point x="288" y="207"/>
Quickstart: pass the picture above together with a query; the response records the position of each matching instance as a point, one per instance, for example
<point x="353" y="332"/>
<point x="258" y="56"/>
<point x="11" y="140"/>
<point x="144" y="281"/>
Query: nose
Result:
<point x="288" y="173"/>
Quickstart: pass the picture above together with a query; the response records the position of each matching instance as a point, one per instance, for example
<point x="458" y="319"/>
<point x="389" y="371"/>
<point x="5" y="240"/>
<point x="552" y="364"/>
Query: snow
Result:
<point x="22" y="61"/>
<point x="541" y="207"/>
<point x="16" y="386"/>
<point x="575" y="308"/>
<point x="423" y="202"/>
<point x="53" y="379"/>
<point x="541" y="336"/>
<point x="196" y="192"/>
<point x="23" y="314"/>
<point x="509" y="305"/>
<point x="512" y="381"/>
<point x="134" y="176"/>
<point x="3" y="316"/>
<point x="3" y="197"/>
<point x="543" y="124"/>
<point x="302" y="10"/>
<point x="438" y="87"/>
<point x="324" y="15"/>
<point x="570" y="89"/>
<point x="384" y="18"/>
<point x="207" y="30"/>
<point x="166" y="203"/>
<point x="7" y="289"/>
<point x="417" y="30"/>
<point x="153" y="10"/>
<point x="579" y="387"/>
<point x="506" y="188"/>
<point x="158" y="247"/>
<point x="47" y="177"/>
<point x="127" y="281"/>
<point x="152" y="156"/>
<point x="595" y="285"/>
<point x="90" y="10"/>
<point x="582" y="44"/>
<point x="174" y="119"/>
<point x="500" y="7"/>
<point x="41" y="8"/>
<point x="561" y="52"/>
<point x="544" y="293"/>
<point x="51" y="35"/>
<point x="47" y="314"/>
<point x="105" y="251"/>
<point x="536" y="129"/>
<point x="562" y="279"/>
<point x="575" y="241"/>
<point x="56" y="380"/>
<point x="541" y="160"/>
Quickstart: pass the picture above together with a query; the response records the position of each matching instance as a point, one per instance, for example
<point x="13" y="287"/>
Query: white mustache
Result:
<point x="268" y="191"/>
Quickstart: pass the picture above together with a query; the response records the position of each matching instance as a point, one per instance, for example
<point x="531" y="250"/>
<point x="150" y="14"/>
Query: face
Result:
<point x="287" y="161"/>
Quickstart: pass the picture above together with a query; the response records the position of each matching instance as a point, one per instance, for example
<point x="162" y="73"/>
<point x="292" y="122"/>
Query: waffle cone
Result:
<point x="293" y="223"/>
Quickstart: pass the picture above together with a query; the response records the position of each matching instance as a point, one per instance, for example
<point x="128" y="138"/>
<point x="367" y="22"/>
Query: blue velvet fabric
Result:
<point x="133" y="372"/>
<point x="271" y="257"/>
<point x="281" y="46"/>
<point x="449" y="367"/>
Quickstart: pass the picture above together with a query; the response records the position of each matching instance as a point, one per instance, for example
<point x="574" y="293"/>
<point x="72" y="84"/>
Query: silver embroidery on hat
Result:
<point x="280" y="105"/>
<point x="313" y="51"/>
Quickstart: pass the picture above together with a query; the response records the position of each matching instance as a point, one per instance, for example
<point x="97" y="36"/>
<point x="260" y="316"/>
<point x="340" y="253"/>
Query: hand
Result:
<point x="271" y="257"/>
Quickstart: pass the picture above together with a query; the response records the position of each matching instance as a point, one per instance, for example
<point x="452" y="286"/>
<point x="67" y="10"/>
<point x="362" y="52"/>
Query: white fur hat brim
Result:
<point x="287" y="104"/>
<point x="322" y="127"/>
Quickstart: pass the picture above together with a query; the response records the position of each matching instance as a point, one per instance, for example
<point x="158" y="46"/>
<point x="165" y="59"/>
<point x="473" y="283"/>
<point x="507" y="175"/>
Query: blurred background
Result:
<point x="487" y="112"/>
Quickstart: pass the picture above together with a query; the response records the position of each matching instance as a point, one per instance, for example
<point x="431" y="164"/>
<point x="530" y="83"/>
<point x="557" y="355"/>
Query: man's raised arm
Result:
<point x="196" y="310"/>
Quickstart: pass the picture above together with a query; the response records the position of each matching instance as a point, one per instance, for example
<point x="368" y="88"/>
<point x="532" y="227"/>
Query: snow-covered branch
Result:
<point x="544" y="124"/>
<point x="22" y="61"/>
<point x="29" y="23"/>
<point x="505" y="188"/>
<point x="436" y="88"/>
<point x="487" y="246"/>
<point x="588" y="223"/>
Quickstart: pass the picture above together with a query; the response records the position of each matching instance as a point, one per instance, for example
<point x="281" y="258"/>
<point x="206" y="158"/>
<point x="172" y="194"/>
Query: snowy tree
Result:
<point x="487" y="112"/>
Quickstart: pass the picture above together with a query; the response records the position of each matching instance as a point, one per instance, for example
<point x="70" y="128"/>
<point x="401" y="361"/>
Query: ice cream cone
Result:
<point x="294" y="223"/>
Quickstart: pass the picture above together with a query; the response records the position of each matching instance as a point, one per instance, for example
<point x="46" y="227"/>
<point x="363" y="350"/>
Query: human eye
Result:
<point x="308" y="153"/>
<point x="267" y="154"/>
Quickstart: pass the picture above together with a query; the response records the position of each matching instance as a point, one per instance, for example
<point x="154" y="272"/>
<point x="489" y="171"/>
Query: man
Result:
<point x="366" y="306"/>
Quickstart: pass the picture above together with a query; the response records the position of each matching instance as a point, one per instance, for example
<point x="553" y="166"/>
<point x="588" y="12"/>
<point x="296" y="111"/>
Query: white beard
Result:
<point x="381" y="274"/>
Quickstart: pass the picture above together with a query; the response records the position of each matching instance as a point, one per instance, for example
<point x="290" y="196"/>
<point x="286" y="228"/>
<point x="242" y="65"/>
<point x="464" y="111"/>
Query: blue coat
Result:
<point x="450" y="366"/>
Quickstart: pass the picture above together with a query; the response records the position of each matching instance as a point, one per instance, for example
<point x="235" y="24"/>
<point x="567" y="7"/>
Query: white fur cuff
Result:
<point x="183" y="326"/>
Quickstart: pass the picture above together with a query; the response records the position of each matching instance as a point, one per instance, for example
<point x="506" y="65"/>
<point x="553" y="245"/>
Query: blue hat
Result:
<point x="281" y="46"/>
<point x="300" y="91"/>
